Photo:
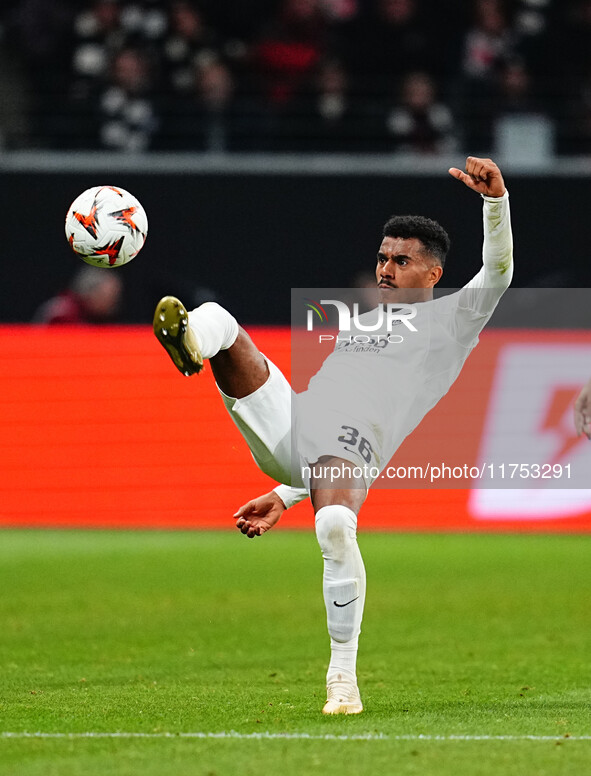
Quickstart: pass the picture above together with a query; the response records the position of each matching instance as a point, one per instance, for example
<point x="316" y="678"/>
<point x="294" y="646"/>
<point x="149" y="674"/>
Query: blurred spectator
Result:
<point x="488" y="42"/>
<point x="340" y="10"/>
<point x="329" y="115"/>
<point x="533" y="21"/>
<point x="98" y="34"/>
<point x="419" y="123"/>
<point x="209" y="117"/>
<point x="522" y="130"/>
<point x="106" y="28"/>
<point x="127" y="118"/>
<point x="144" y="22"/>
<point x="283" y="62"/>
<point x="188" y="42"/>
<point x="327" y="118"/>
<point x="392" y="38"/>
<point x="289" y="49"/>
<point x="93" y="296"/>
<point x="514" y="88"/>
<point x="114" y="76"/>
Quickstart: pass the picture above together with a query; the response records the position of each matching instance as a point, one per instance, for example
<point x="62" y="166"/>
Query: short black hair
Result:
<point x="430" y="233"/>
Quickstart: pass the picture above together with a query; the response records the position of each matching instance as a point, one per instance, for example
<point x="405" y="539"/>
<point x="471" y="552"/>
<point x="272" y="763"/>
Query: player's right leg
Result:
<point x="254" y="391"/>
<point x="210" y="332"/>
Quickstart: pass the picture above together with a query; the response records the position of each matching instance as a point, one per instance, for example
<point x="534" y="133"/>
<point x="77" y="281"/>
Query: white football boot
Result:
<point x="342" y="695"/>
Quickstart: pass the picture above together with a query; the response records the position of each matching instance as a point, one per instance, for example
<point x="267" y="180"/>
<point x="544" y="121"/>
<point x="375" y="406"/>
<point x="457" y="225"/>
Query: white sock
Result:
<point x="343" y="585"/>
<point x="214" y="328"/>
<point x="343" y="658"/>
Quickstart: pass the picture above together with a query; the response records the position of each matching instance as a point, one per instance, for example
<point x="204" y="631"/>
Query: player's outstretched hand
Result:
<point x="482" y="175"/>
<point x="259" y="515"/>
<point x="583" y="412"/>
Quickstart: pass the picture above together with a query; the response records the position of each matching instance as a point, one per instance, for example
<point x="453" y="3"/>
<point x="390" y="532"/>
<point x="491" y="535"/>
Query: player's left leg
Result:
<point x="343" y="586"/>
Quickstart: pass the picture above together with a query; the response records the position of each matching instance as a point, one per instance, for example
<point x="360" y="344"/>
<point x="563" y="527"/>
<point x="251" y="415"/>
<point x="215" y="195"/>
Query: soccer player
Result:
<point x="360" y="405"/>
<point x="583" y="411"/>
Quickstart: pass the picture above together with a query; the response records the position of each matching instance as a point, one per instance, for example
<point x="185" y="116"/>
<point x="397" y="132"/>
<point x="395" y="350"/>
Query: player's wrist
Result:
<point x="276" y="497"/>
<point x="491" y="198"/>
<point x="288" y="495"/>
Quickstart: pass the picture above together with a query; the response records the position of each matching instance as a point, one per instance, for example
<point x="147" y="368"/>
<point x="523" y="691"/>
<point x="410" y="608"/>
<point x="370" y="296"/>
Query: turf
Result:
<point x="180" y="635"/>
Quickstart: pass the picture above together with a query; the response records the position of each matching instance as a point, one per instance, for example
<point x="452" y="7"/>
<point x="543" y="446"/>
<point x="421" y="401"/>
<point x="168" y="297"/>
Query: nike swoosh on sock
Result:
<point x="348" y="602"/>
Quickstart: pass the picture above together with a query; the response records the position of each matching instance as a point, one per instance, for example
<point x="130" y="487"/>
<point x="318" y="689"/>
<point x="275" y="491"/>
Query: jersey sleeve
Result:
<point x="289" y="495"/>
<point x="483" y="292"/>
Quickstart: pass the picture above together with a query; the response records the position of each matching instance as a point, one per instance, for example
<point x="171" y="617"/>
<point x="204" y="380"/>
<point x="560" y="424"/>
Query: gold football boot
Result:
<point x="172" y="330"/>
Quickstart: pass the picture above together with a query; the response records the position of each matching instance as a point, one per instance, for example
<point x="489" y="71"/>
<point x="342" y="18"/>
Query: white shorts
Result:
<point x="266" y="418"/>
<point x="322" y="431"/>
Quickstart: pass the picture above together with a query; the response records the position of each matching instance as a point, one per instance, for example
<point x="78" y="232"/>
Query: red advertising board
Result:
<point x="97" y="429"/>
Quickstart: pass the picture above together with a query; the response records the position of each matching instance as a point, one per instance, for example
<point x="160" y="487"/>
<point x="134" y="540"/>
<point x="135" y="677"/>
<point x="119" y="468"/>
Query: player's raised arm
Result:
<point x="482" y="176"/>
<point x="583" y="411"/>
<point x="485" y="177"/>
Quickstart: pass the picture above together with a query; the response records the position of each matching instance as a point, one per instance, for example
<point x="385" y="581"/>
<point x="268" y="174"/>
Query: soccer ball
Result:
<point x="106" y="226"/>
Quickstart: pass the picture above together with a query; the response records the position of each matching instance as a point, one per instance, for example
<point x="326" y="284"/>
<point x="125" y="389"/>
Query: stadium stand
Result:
<point x="425" y="76"/>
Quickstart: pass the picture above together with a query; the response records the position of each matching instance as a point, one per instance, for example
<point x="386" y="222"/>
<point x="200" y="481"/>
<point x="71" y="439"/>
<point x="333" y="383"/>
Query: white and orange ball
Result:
<point x="106" y="226"/>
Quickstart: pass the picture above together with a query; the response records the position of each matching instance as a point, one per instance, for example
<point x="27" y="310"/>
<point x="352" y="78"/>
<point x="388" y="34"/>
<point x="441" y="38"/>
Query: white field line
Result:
<point x="233" y="734"/>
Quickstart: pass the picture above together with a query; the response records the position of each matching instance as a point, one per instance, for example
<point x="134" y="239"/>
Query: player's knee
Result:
<point x="336" y="528"/>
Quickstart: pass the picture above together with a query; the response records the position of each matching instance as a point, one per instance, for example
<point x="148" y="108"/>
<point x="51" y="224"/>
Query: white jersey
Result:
<point x="389" y="383"/>
<point x="380" y="390"/>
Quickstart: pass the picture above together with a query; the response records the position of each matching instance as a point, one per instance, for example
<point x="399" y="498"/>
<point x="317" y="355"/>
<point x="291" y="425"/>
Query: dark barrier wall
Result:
<point x="250" y="238"/>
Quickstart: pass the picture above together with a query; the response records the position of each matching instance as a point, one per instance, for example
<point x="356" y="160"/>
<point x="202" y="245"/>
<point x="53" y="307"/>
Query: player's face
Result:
<point x="402" y="263"/>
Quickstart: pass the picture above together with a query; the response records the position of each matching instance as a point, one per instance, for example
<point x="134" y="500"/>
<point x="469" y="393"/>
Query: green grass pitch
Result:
<point x="205" y="653"/>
